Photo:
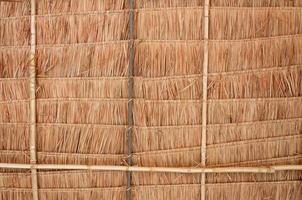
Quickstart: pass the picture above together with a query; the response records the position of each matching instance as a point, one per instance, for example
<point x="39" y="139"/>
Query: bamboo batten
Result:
<point x="130" y="96"/>
<point x="151" y="99"/>
<point x="32" y="87"/>
<point x="204" y="97"/>
<point x="270" y="169"/>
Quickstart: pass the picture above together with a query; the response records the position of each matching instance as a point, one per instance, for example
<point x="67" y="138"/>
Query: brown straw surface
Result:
<point x="82" y="59"/>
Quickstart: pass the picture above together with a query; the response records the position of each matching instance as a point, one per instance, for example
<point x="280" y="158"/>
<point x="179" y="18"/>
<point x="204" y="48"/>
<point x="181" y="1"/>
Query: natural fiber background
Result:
<point x="82" y="59"/>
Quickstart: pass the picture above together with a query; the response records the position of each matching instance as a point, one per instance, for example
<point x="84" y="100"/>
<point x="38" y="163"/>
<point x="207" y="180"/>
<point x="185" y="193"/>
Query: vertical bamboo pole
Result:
<point x="32" y="88"/>
<point x="204" y="96"/>
<point x="130" y="95"/>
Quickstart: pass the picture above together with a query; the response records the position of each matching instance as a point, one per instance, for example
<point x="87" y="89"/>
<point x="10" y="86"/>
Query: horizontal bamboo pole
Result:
<point x="185" y="170"/>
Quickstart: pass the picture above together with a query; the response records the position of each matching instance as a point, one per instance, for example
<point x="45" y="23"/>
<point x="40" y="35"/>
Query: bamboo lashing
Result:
<point x="204" y="97"/>
<point x="32" y="87"/>
<point x="130" y="96"/>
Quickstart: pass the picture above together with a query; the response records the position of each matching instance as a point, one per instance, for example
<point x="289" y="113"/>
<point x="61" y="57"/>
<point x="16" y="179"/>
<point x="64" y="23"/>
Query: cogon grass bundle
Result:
<point x="254" y="53"/>
<point x="157" y="59"/>
<point x="70" y="29"/>
<point x="14" y="9"/>
<point x="155" y="113"/>
<point x="279" y="82"/>
<point x="82" y="111"/>
<point x="14" y="89"/>
<point x="14" y="32"/>
<point x="84" y="139"/>
<point x="238" y="23"/>
<point x="110" y="87"/>
<point x="68" y="6"/>
<point x="154" y="138"/>
<point x="277" y="150"/>
<point x="166" y="88"/>
<point x="251" y="110"/>
<point x="14" y="62"/>
<point x="169" y="24"/>
<point x="167" y="3"/>
<point x="80" y="158"/>
<point x="256" y="3"/>
<point x="83" y="60"/>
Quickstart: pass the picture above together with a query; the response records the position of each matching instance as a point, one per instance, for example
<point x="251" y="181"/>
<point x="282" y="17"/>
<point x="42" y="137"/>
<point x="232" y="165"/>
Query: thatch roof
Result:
<point x="159" y="99"/>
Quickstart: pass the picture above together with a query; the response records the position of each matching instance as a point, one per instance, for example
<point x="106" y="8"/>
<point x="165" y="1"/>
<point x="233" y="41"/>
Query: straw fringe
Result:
<point x="98" y="112"/>
<point x="256" y="191"/>
<point x="14" y="63"/>
<point x="233" y="56"/>
<point x="168" y="24"/>
<point x="168" y="89"/>
<point x="256" y="3"/>
<point x="15" y="32"/>
<point x="251" y="23"/>
<point x="9" y="9"/>
<point x="287" y="83"/>
<point x="59" y="6"/>
<point x="167" y="3"/>
<point x="85" y="139"/>
<point x="64" y="88"/>
<point x="82" y="29"/>
<point x="171" y="59"/>
<point x="90" y="61"/>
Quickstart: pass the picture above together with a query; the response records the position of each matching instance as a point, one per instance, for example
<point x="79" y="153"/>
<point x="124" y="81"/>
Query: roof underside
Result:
<point x="254" y="97"/>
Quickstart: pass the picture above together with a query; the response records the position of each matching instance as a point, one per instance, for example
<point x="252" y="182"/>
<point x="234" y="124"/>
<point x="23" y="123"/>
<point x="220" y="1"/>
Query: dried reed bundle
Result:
<point x="14" y="32"/>
<point x="106" y="112"/>
<point x="64" y="6"/>
<point x="87" y="139"/>
<point x="155" y="138"/>
<point x="279" y="83"/>
<point x="167" y="3"/>
<point x="145" y="179"/>
<point x="82" y="88"/>
<point x="163" y="192"/>
<point x="13" y="156"/>
<point x="249" y="191"/>
<point x="80" y="179"/>
<point x="242" y="153"/>
<point x="83" y="60"/>
<point x="166" y="88"/>
<point x="221" y="134"/>
<point x="80" y="158"/>
<point x="93" y="193"/>
<point x="169" y="24"/>
<point x="15" y="89"/>
<point x="257" y="3"/>
<point x="154" y="58"/>
<point x="254" y="22"/>
<point x="82" y="28"/>
<point x="238" y="177"/>
<point x="231" y="111"/>
<point x="14" y="112"/>
<point x="24" y="194"/>
<point x="14" y="62"/>
<point x="15" y="180"/>
<point x="13" y="9"/>
<point x="255" y="54"/>
<point x="275" y="151"/>
<point x="168" y="158"/>
<point x="162" y="113"/>
<point x="12" y="137"/>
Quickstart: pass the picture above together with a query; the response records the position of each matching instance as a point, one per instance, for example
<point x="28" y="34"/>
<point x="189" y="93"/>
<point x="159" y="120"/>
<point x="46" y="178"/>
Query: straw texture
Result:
<point x="82" y="61"/>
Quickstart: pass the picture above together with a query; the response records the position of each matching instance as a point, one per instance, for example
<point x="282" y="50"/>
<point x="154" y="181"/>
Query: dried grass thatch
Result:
<point x="85" y="58"/>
